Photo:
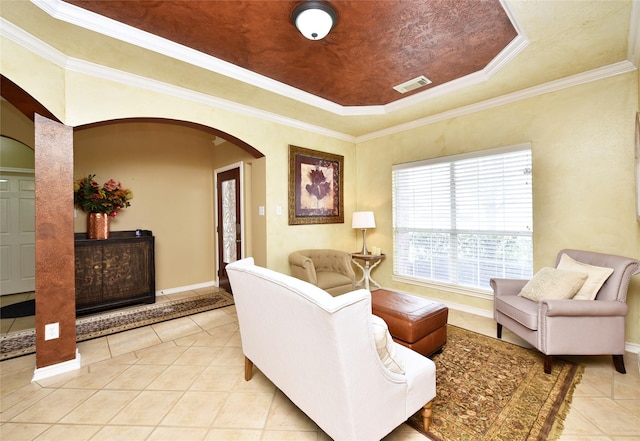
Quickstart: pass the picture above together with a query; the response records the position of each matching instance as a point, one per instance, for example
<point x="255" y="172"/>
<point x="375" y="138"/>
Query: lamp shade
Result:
<point x="363" y="219"/>
<point x="314" y="19"/>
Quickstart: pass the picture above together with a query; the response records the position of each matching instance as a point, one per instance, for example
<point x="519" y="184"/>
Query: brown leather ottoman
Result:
<point x="413" y="321"/>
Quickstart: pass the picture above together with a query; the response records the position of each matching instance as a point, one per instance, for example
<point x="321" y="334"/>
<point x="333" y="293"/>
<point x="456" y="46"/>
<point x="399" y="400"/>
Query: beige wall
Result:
<point x="15" y="154"/>
<point x="169" y="169"/>
<point x="583" y="174"/>
<point x="16" y="125"/>
<point x="272" y="139"/>
<point x="582" y="142"/>
<point x="275" y="238"/>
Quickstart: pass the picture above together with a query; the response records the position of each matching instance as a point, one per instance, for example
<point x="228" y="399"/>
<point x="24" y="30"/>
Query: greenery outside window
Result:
<point x="463" y="219"/>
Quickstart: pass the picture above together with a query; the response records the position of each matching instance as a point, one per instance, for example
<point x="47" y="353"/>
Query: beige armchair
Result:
<point x="573" y="326"/>
<point x="330" y="270"/>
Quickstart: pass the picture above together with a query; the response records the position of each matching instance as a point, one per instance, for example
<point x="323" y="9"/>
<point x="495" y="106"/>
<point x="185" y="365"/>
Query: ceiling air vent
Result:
<point x="414" y="84"/>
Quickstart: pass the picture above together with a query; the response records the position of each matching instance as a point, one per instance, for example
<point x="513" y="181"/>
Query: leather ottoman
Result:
<point x="413" y="321"/>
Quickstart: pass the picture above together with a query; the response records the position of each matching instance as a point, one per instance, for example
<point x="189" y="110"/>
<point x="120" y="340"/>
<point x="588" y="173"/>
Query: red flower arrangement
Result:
<point x="90" y="197"/>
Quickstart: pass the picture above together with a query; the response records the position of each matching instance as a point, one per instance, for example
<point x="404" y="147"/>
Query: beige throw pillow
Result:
<point x="552" y="283"/>
<point x="597" y="275"/>
<point x="385" y="345"/>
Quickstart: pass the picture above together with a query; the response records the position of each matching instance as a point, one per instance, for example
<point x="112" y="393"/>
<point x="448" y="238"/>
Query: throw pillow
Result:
<point x="552" y="283"/>
<point x="385" y="345"/>
<point x="597" y="275"/>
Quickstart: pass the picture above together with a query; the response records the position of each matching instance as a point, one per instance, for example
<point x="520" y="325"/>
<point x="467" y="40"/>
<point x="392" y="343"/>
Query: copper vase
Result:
<point x="98" y="226"/>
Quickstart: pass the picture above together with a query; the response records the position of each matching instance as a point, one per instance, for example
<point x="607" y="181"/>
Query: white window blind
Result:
<point x="463" y="219"/>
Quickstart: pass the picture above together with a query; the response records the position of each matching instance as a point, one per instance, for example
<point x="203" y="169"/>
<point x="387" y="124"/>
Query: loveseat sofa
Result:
<point x="329" y="355"/>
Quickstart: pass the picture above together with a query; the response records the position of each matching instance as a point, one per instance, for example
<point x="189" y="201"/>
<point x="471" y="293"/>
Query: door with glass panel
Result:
<point x="229" y="231"/>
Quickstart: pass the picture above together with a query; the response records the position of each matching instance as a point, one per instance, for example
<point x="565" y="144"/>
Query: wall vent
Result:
<point x="413" y="84"/>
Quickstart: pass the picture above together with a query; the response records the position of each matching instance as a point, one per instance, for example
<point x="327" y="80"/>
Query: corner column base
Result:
<point x="57" y="369"/>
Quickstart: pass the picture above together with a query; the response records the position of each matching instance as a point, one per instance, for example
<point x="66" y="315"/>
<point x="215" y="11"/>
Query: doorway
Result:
<point x="17" y="231"/>
<point x="229" y="220"/>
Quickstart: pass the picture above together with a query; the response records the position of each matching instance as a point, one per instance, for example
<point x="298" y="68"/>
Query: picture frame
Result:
<point x="315" y="187"/>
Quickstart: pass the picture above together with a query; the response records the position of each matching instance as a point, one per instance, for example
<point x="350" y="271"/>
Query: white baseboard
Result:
<point x="457" y="306"/>
<point x="186" y="288"/>
<point x="633" y="347"/>
<point x="57" y="369"/>
<point x="628" y="346"/>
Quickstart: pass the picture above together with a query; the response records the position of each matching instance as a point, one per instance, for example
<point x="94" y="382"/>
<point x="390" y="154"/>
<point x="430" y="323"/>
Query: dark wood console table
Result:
<point x="115" y="272"/>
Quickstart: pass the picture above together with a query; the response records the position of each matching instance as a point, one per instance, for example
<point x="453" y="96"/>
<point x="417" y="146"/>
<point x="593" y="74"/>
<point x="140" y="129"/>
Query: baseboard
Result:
<point x="628" y="346"/>
<point x="457" y="306"/>
<point x="186" y="288"/>
<point x="57" y="369"/>
<point x="633" y="347"/>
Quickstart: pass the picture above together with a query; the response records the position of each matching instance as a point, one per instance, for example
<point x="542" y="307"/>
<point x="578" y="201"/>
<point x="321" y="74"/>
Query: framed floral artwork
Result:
<point x="315" y="187"/>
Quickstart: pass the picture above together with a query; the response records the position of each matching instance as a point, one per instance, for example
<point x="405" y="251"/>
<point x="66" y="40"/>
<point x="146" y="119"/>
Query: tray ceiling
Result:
<point x="374" y="46"/>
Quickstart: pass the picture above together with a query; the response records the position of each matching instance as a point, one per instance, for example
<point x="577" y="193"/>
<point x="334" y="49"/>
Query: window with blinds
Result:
<point x="464" y="219"/>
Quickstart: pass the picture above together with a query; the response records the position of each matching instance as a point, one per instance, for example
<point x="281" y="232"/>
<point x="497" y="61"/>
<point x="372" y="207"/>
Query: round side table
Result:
<point x="370" y="262"/>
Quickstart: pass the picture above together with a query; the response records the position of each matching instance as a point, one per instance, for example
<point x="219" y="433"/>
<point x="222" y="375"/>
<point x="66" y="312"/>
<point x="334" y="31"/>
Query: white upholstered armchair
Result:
<point x="329" y="355"/>
<point x="562" y="312"/>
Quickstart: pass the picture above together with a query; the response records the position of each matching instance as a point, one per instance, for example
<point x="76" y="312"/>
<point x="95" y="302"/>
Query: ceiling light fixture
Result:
<point x="314" y="19"/>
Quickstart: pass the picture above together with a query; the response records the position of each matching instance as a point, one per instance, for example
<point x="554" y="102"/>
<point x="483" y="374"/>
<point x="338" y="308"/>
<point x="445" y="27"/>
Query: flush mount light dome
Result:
<point x="314" y="19"/>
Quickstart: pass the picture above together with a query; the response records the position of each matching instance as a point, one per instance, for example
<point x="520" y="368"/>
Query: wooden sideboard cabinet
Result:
<point x="115" y="272"/>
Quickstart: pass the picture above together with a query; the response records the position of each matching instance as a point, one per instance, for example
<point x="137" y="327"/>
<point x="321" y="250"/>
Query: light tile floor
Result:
<point x="183" y="380"/>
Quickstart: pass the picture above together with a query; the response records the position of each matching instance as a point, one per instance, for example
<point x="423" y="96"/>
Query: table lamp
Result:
<point x="363" y="220"/>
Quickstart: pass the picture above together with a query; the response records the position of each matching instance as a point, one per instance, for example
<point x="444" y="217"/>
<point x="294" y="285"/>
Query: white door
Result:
<point x="17" y="232"/>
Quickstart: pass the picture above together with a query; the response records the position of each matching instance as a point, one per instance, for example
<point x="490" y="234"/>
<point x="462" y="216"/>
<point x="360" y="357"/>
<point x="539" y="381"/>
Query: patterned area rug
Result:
<point x="20" y="343"/>
<point x="488" y="389"/>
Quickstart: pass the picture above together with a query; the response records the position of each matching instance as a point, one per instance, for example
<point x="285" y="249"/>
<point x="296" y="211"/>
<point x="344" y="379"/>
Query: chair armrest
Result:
<point x="582" y="308"/>
<point x="507" y="287"/>
<point x="302" y="268"/>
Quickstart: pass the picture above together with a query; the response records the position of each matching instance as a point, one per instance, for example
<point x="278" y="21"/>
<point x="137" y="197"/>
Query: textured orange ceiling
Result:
<point x="375" y="45"/>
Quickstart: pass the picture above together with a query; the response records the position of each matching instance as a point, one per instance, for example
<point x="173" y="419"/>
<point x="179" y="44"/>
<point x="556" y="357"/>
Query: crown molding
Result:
<point x="516" y="46"/>
<point x="552" y="86"/>
<point x="507" y="54"/>
<point x="111" y="28"/>
<point x="89" y="20"/>
<point x="36" y="46"/>
<point x="29" y="42"/>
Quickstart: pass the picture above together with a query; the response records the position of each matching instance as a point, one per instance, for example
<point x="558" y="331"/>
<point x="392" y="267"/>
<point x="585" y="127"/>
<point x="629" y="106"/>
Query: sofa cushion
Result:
<point x="596" y="276"/>
<point x="522" y="310"/>
<point x="385" y="345"/>
<point x="552" y="283"/>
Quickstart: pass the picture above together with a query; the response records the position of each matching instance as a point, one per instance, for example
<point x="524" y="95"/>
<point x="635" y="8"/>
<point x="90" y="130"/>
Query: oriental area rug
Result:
<point x="20" y="343"/>
<point x="488" y="389"/>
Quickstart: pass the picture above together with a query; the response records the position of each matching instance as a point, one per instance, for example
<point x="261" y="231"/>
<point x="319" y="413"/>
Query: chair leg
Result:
<point x="248" y="369"/>
<point x="426" y="415"/>
<point x="499" y="329"/>
<point x="618" y="362"/>
<point x="548" y="363"/>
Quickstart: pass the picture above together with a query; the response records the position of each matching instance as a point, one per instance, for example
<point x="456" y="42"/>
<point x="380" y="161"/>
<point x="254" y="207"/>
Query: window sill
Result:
<point x="456" y="289"/>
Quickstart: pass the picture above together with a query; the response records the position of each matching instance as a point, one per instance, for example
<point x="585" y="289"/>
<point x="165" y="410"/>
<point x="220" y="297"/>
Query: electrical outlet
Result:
<point x="51" y="331"/>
